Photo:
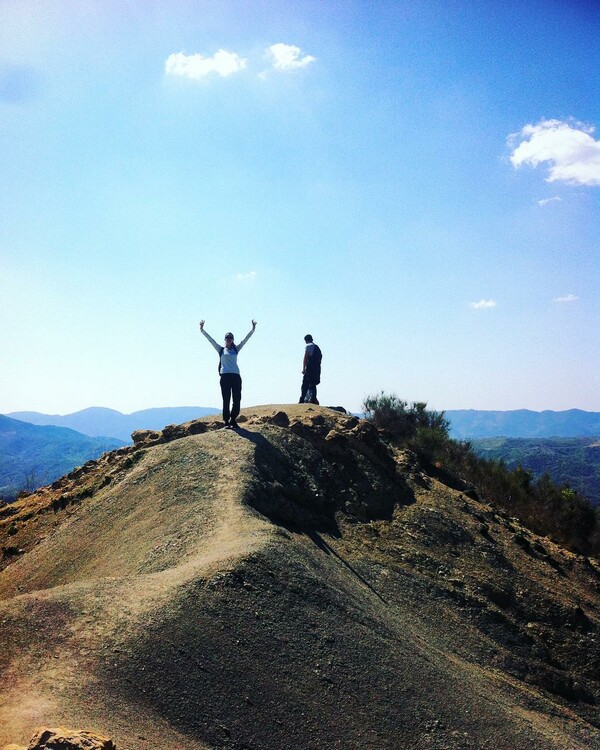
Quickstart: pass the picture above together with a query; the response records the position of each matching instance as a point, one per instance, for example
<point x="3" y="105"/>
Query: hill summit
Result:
<point x="301" y="582"/>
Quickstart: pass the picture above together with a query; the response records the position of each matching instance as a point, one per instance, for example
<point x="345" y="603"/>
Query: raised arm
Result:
<point x="241" y="344"/>
<point x="209" y="337"/>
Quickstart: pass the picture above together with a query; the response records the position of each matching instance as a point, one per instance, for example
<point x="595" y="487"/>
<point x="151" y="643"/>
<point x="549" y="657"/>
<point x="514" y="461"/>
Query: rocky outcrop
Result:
<point x="358" y="475"/>
<point x="69" y="739"/>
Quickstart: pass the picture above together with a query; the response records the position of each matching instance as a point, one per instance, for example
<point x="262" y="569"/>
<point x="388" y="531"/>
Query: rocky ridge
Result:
<point x="302" y="582"/>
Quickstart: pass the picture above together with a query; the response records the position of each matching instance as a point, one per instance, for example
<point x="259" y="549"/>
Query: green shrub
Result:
<point x="424" y="432"/>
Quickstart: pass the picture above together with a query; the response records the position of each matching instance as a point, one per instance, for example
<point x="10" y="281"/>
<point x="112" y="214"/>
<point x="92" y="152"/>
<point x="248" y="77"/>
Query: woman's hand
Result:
<point x="253" y="325"/>
<point x="201" y="325"/>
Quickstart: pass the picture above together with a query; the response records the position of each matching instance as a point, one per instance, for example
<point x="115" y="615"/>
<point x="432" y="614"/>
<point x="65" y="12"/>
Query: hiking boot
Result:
<point x="233" y="424"/>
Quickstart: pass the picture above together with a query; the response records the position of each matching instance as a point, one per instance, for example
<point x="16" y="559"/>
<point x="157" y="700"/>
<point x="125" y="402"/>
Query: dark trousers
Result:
<point x="231" y="388"/>
<point x="308" y="385"/>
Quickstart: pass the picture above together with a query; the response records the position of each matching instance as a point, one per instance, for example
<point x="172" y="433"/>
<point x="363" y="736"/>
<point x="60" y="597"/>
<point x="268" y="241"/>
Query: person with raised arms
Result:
<point x="231" y="379"/>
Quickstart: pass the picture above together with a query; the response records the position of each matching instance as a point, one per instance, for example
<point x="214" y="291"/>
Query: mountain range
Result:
<point x="41" y="463"/>
<point x="32" y="455"/>
<point x="472" y="423"/>
<point x="464" y="423"/>
<point x="302" y="582"/>
<point x="97" y="420"/>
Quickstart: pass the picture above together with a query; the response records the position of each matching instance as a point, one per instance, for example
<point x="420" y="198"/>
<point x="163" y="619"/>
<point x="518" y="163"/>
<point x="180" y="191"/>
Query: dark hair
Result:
<point x="308" y="338"/>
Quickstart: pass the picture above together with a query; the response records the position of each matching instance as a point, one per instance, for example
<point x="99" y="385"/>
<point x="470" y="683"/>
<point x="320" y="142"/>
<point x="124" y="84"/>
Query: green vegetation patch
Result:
<point x="570" y="461"/>
<point x="549" y="507"/>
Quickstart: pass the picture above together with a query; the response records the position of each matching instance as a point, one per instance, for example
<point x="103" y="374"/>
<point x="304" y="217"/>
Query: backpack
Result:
<point x="221" y="350"/>
<point x="314" y="365"/>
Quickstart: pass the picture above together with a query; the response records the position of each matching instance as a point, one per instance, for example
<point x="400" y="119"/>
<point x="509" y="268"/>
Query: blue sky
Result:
<point x="417" y="184"/>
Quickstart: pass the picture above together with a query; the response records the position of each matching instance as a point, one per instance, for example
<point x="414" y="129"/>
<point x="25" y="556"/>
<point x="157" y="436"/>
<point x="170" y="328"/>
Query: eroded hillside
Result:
<point x="298" y="583"/>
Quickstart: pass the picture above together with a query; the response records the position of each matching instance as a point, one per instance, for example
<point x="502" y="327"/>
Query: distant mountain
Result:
<point x="32" y="455"/>
<point x="97" y="420"/>
<point x="471" y="423"/>
<point x="572" y="461"/>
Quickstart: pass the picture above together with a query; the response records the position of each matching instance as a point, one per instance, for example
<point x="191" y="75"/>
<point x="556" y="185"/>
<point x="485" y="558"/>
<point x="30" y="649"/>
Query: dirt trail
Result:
<point x="113" y="566"/>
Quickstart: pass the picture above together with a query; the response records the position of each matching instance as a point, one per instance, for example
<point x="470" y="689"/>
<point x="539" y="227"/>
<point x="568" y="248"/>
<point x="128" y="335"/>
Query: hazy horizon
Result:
<point x="218" y="409"/>
<point x="416" y="184"/>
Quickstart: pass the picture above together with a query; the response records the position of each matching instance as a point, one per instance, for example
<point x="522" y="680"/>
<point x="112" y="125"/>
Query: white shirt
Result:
<point x="229" y="364"/>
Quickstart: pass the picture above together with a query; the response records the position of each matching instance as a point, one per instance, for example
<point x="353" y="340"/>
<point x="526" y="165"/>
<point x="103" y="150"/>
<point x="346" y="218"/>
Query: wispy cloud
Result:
<point x="567" y="146"/>
<point x="566" y="298"/>
<point x="197" y="66"/>
<point x="545" y="201"/>
<point x="250" y="276"/>
<point x="287" y="57"/>
<point x="483" y="304"/>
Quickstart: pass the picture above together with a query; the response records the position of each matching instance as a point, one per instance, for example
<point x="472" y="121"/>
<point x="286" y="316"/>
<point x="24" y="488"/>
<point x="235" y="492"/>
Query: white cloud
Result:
<point x="287" y="57"/>
<point x="545" y="201"/>
<point x="483" y="304"/>
<point x="222" y="63"/>
<point x="568" y="147"/>
<point x="250" y="276"/>
<point x="566" y="298"/>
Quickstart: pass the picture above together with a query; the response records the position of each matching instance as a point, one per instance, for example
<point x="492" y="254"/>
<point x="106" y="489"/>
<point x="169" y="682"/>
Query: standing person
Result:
<point x="311" y="370"/>
<point x="231" y="380"/>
